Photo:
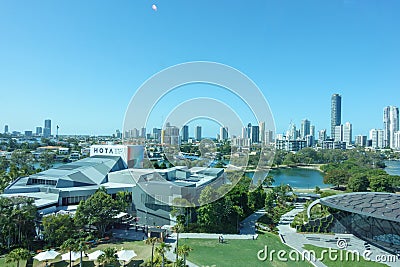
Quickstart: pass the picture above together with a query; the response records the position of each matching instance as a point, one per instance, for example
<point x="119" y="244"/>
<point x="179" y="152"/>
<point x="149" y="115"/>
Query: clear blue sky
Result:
<point x="80" y="62"/>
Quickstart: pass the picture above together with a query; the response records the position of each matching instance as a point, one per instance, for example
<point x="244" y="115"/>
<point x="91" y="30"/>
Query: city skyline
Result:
<point x="296" y="49"/>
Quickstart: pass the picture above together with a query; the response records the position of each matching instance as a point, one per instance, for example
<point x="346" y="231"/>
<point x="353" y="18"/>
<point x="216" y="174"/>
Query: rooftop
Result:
<point x="379" y="205"/>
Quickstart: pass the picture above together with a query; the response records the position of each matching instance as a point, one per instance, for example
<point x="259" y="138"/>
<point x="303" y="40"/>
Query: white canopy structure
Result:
<point x="74" y="256"/>
<point x="46" y="255"/>
<point x="94" y="255"/>
<point x="126" y="255"/>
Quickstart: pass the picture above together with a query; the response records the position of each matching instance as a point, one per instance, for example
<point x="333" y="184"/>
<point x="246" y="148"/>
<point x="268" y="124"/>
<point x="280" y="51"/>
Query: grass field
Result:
<point x="208" y="252"/>
<point x="342" y="263"/>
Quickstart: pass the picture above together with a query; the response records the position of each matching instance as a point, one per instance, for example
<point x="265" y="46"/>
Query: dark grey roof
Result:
<point x="379" y="205"/>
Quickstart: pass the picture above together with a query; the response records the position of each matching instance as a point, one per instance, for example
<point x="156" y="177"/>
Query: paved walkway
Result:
<point x="297" y="241"/>
<point x="170" y="255"/>
<point x="247" y="226"/>
<point x="293" y="239"/>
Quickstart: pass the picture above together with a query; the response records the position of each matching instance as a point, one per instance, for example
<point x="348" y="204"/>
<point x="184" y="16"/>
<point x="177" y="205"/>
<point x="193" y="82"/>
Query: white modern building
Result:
<point x="377" y="137"/>
<point x="390" y="124"/>
<point x="116" y="168"/>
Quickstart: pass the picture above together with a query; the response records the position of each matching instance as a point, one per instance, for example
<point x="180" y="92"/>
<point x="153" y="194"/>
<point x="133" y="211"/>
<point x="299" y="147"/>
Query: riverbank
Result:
<point x="316" y="167"/>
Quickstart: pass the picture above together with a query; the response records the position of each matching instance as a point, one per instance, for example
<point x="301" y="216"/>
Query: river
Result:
<point x="297" y="178"/>
<point x="392" y="167"/>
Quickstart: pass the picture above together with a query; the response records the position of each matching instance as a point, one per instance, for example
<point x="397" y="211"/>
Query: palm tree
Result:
<point x="69" y="245"/>
<point x="17" y="255"/>
<point x="161" y="250"/>
<point x="178" y="228"/>
<point x="151" y="241"/>
<point x="109" y="256"/>
<point x="183" y="251"/>
<point x="82" y="246"/>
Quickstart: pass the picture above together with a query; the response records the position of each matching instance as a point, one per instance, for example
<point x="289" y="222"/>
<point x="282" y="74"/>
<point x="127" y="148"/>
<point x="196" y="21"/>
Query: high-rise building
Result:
<point x="292" y="133"/>
<point x="249" y="130"/>
<point x="321" y="136"/>
<point x="157" y="134"/>
<point x="185" y="133"/>
<point x="255" y="134"/>
<point x="347" y="133"/>
<point x="396" y="138"/>
<point x="170" y="135"/>
<point x="39" y="130"/>
<point x="28" y="133"/>
<point x="269" y="137"/>
<point x="47" y="128"/>
<point x="338" y="133"/>
<point x="336" y="113"/>
<point x="360" y="140"/>
<point x="244" y="133"/>
<point x="143" y="132"/>
<point x="305" y="128"/>
<point x="377" y="138"/>
<point x="197" y="133"/>
<point x="312" y="130"/>
<point x="390" y="124"/>
<point x="223" y="133"/>
<point x="6" y="129"/>
<point x="118" y="133"/>
<point x="261" y="125"/>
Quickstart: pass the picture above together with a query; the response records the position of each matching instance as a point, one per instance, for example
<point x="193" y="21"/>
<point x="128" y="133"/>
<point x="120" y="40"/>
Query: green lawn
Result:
<point x="208" y="252"/>
<point x="342" y="263"/>
<point x="11" y="264"/>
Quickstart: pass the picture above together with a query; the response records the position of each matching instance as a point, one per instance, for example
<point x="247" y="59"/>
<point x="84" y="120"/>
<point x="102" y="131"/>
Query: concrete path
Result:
<point x="248" y="225"/>
<point x="170" y="255"/>
<point x="293" y="239"/>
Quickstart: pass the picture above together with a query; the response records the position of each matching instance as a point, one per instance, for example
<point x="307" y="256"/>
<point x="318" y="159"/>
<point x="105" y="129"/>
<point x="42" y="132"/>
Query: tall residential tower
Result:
<point x="390" y="125"/>
<point x="336" y="113"/>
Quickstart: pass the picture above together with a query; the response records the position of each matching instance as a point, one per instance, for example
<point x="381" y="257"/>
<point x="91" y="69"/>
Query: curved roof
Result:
<point x="384" y="206"/>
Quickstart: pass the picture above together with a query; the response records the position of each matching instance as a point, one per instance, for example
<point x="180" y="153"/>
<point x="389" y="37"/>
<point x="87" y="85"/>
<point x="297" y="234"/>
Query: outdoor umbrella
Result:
<point x="46" y="255"/>
<point x="74" y="256"/>
<point x="94" y="255"/>
<point x="126" y="255"/>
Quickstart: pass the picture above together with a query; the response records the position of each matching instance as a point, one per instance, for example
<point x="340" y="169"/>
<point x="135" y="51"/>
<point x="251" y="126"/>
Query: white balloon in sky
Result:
<point x="154" y="7"/>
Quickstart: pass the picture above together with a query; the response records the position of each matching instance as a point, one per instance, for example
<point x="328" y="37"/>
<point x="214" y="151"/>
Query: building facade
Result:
<point x="336" y="113"/>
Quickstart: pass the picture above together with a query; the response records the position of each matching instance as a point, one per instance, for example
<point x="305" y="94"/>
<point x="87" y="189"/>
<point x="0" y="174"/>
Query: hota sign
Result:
<point x="108" y="150"/>
<point x="130" y="154"/>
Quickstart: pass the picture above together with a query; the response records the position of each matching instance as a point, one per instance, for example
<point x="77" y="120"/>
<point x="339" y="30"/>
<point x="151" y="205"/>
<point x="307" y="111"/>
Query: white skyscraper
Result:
<point x="305" y="128"/>
<point x="397" y="140"/>
<point x="377" y="137"/>
<point x="347" y="133"/>
<point x="390" y="125"/>
<point x="338" y="133"/>
<point x="261" y="125"/>
<point x="244" y="132"/>
<point x="223" y="133"/>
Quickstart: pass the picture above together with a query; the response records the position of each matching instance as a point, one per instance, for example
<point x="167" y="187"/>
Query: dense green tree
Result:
<point x="69" y="245"/>
<point x="23" y="160"/>
<point x="152" y="241"/>
<point x="380" y="183"/>
<point x="109" y="256"/>
<point x="161" y="250"/>
<point x="17" y="216"/>
<point x="336" y="177"/>
<point x="256" y="198"/>
<point x="4" y="164"/>
<point x="98" y="210"/>
<point x="46" y="160"/>
<point x="358" y="183"/>
<point x="183" y="251"/>
<point x="58" y="228"/>
<point x="17" y="255"/>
